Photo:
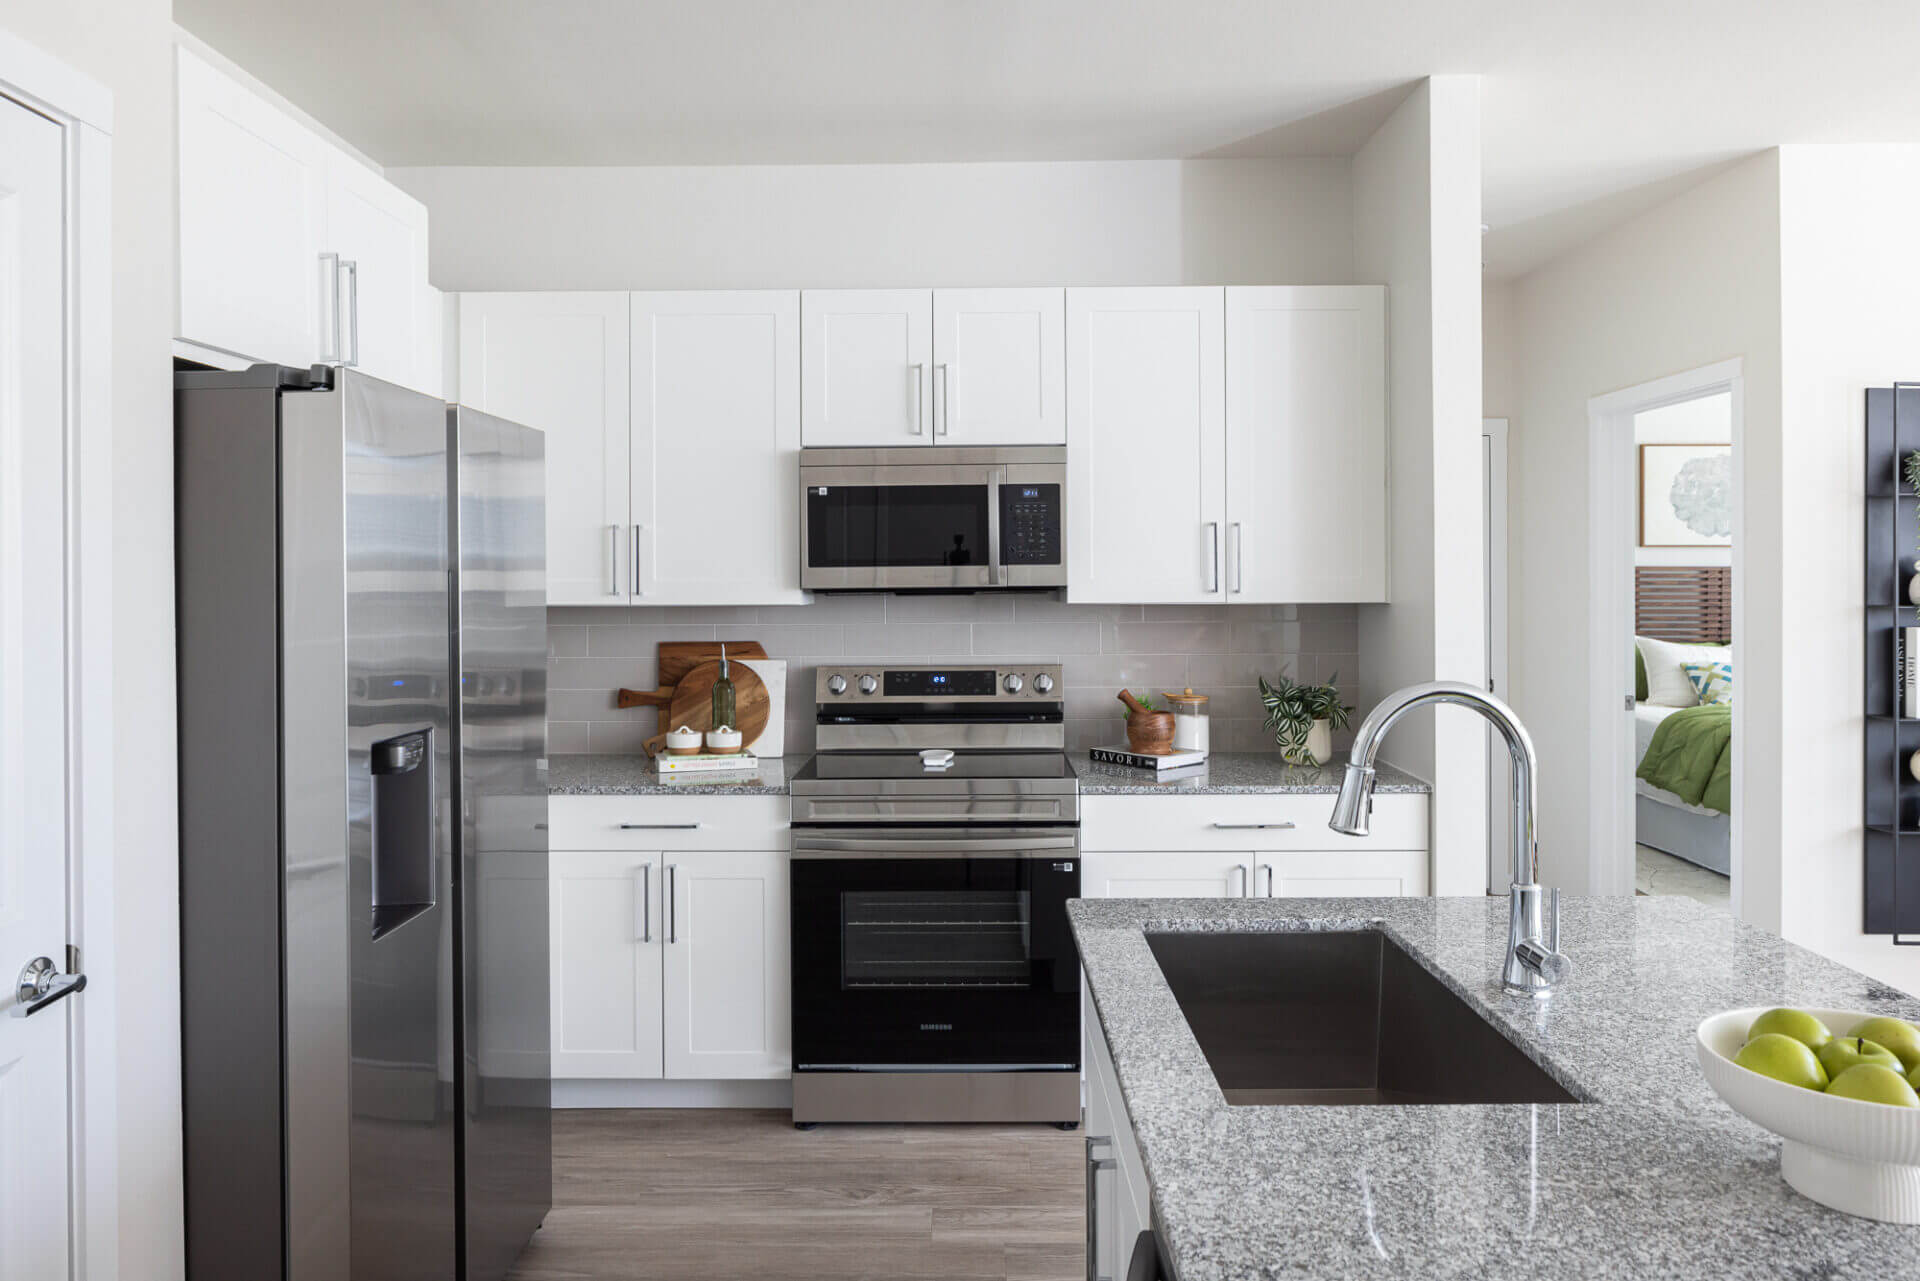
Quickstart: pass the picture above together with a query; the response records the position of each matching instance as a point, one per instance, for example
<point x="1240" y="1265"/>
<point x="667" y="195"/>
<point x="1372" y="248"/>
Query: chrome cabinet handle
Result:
<point x="1268" y="869"/>
<point x="1094" y="1166"/>
<point x="659" y="827"/>
<point x="673" y="908"/>
<point x="1239" y="560"/>
<point x="638" y="590"/>
<point x="613" y="560"/>
<point x="330" y="315"/>
<point x="1213" y="555"/>
<point x="1242" y="883"/>
<point x="1255" y="827"/>
<point x="943" y="421"/>
<point x="353" y="309"/>
<point x="643" y="923"/>
<point x="41" y="984"/>
<point x="919" y="397"/>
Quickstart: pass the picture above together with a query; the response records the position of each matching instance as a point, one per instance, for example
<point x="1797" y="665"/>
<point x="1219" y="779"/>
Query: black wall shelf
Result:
<point x="1891" y="888"/>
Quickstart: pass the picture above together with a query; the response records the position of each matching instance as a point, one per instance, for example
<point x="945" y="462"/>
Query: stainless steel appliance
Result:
<point x="360" y="579"/>
<point x="933" y="519"/>
<point x="935" y="845"/>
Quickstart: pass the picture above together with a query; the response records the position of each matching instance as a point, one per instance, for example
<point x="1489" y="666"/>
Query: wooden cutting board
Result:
<point x="692" y="704"/>
<point x="677" y="658"/>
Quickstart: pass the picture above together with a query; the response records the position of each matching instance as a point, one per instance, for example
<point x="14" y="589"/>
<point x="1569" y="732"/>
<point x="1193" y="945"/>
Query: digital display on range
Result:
<point x="939" y="684"/>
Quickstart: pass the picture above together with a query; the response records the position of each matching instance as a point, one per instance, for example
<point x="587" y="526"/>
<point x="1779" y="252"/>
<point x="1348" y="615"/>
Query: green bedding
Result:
<point x="1691" y="755"/>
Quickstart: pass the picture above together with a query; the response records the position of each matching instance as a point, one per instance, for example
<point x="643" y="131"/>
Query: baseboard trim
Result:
<point x="673" y="1094"/>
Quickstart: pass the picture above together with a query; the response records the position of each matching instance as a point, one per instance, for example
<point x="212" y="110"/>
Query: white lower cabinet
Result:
<point x="1119" y="1207"/>
<point x="669" y="964"/>
<point x="1163" y="874"/>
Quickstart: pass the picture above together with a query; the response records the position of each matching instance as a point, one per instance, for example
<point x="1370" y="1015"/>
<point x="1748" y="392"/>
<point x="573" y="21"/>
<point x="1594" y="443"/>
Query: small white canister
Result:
<point x="1190" y="727"/>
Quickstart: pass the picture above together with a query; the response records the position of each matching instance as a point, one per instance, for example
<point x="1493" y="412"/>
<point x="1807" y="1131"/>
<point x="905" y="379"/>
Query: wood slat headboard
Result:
<point x="1683" y="602"/>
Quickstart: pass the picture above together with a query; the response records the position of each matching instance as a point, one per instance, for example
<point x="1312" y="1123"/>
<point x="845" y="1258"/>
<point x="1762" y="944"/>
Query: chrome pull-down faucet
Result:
<point x="1534" y="964"/>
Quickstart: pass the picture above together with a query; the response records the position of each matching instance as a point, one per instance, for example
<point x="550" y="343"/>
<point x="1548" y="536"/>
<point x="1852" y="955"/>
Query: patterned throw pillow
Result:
<point x="1712" y="681"/>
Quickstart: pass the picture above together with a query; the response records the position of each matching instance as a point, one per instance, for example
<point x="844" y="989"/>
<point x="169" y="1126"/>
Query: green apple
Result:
<point x="1872" y="1083"/>
<point x="1798" y="1024"/>
<point x="1898" y="1035"/>
<point x="1781" y="1057"/>
<point x="1843" y="1052"/>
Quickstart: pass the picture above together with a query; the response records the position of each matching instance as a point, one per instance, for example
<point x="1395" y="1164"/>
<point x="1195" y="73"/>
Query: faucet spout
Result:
<point x="1533" y="961"/>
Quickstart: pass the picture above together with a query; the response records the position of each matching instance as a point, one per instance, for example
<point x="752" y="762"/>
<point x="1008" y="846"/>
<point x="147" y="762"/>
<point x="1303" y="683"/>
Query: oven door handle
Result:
<point x="903" y="846"/>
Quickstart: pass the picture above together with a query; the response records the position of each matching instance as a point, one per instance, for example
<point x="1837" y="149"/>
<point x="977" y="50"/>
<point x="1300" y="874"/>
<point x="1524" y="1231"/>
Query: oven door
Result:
<point x="931" y="949"/>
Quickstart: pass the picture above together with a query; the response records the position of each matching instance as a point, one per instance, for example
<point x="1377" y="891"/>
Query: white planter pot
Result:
<point x="1319" y="748"/>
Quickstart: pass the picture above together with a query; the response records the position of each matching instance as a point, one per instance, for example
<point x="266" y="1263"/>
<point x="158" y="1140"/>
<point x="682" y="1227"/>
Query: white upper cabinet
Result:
<point x="864" y="367"/>
<point x="1146" y="445"/>
<point x="379" y="234"/>
<point x="559" y="362"/>
<point x="999" y="367"/>
<point x="1306" y="444"/>
<point x="252" y="205"/>
<point x="715" y="457"/>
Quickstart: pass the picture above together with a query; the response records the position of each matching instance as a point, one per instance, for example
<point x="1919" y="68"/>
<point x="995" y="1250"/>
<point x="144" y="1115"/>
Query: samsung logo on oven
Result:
<point x="936" y="1027"/>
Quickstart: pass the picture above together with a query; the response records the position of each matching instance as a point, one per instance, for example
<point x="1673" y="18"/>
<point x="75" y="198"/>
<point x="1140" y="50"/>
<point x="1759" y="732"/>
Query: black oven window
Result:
<point x="863" y="526"/>
<point x="935" y="938"/>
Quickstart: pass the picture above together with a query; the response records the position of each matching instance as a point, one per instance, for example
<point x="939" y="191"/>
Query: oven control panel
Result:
<point x="929" y="683"/>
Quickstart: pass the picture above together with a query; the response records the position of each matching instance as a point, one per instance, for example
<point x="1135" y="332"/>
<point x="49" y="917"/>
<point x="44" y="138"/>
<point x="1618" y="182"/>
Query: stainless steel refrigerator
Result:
<point x="362" y="652"/>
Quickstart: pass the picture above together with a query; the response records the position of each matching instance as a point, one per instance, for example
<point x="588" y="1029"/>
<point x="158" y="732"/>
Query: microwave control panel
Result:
<point x="1029" y="524"/>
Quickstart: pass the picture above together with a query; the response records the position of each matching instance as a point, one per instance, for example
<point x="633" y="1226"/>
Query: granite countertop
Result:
<point x="1653" y="1177"/>
<point x="1229" y="773"/>
<point x="632" y="775"/>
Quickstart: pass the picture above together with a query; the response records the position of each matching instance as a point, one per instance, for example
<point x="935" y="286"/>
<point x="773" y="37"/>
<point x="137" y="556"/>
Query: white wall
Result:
<point x="1689" y="283"/>
<point x="1705" y="421"/>
<point x="127" y="46"/>
<point x="1499" y="379"/>
<point x="1850" y="265"/>
<point x="1417" y="230"/>
<point x="798" y="226"/>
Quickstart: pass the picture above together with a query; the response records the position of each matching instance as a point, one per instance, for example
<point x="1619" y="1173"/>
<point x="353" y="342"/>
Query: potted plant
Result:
<point x="1303" y="718"/>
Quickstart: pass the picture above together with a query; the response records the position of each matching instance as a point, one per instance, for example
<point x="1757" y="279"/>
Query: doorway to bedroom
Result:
<point x="1666" y="591"/>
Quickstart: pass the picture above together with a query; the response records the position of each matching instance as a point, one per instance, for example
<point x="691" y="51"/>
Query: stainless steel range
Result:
<point x="936" y="842"/>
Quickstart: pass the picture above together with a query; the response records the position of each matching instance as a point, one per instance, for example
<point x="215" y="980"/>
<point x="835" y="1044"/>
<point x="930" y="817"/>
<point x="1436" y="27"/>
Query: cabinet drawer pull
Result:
<point x="659" y="827"/>
<point x="1255" y="827"/>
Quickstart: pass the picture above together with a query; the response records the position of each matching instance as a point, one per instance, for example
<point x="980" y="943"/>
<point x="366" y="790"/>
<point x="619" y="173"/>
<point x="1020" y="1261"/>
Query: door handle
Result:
<point x="1245" y="881"/>
<point x="638" y="590"/>
<point x="673" y="908"/>
<point x="643" y="881"/>
<point x="1268" y="869"/>
<point x="41" y="984"/>
<point x="1213" y="555"/>
<point x="330" y="317"/>
<point x="1239" y="553"/>
<point x="613" y="560"/>
<point x="943" y="423"/>
<point x="353" y="310"/>
<point x="919" y="397"/>
<point x="1094" y="1166"/>
<point x="659" y="827"/>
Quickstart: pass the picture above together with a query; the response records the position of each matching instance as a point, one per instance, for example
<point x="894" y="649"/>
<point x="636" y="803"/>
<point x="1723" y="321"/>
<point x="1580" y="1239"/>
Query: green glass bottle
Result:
<point x="723" y="696"/>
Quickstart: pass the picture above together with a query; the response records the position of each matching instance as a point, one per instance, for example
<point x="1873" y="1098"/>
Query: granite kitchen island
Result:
<point x="1650" y="1176"/>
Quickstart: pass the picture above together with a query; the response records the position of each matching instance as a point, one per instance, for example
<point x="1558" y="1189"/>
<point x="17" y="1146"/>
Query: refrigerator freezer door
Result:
<point x="501" y="639"/>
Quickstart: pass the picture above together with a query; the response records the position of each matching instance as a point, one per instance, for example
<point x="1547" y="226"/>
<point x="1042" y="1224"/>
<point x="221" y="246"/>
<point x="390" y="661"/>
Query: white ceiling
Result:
<point x="1592" y="110"/>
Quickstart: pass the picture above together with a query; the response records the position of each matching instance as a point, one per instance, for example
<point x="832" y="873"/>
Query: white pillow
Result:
<point x="1667" y="684"/>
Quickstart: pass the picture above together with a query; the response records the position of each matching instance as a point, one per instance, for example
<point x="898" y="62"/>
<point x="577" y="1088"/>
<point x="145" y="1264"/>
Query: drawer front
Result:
<point x="701" y="822"/>
<point x="1270" y="822"/>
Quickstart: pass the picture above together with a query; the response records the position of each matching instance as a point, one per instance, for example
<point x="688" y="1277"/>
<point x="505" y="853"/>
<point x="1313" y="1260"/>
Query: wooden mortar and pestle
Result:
<point x="1149" y="733"/>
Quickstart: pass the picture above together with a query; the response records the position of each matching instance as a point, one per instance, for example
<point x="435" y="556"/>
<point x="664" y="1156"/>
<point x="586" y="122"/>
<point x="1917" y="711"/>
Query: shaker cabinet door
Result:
<point x="865" y="367"/>
<point x="605" y="947"/>
<point x="382" y="232"/>
<point x="999" y="367"/>
<point x="715" y="455"/>
<point x="727" y="966"/>
<point x="1307" y="503"/>
<point x="1146" y="445"/>
<point x="1180" y="874"/>
<point x="558" y="362"/>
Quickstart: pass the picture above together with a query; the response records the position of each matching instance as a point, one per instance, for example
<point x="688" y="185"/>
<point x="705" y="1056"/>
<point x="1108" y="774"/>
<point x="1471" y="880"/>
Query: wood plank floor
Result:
<point x="712" y="1193"/>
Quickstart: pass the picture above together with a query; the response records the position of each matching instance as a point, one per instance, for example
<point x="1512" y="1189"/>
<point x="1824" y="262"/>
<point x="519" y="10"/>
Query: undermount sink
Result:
<point x="1338" y="1017"/>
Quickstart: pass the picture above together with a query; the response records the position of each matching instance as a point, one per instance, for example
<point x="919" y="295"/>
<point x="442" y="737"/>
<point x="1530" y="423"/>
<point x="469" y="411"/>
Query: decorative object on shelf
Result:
<point x="1913" y="766"/>
<point x="1175" y="759"/>
<point x="726" y="765"/>
<point x="723" y="714"/>
<point x="1149" y="732"/>
<point x="1910" y="472"/>
<point x="724" y="740"/>
<point x="684" y="741"/>
<point x="692" y="704"/>
<point x="1686" y="495"/>
<point x="1191" y="732"/>
<point x="1303" y="718"/>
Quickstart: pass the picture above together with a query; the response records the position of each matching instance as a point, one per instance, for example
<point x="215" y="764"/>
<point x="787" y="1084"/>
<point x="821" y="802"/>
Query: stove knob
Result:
<point x="868" y="684"/>
<point x="1043" y="684"/>
<point x="1013" y="683"/>
<point x="836" y="685"/>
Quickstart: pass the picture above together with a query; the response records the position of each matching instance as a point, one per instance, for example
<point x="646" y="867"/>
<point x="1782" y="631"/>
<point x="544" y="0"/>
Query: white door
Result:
<point x="716" y="448"/>
<point x="1341" y="874"/>
<point x="1146" y="445"/>
<point x="727" y="966"/>
<point x="1306" y="444"/>
<point x="558" y="362"/>
<point x="252" y="203"/>
<point x="380" y="234"/>
<point x="999" y="366"/>
<point x="35" y="1158"/>
<point x="1167" y="875"/>
<point x="864" y="367"/>
<point x="604" y="918"/>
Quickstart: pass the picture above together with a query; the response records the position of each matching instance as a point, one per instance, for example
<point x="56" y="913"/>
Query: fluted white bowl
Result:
<point x="1862" y="1158"/>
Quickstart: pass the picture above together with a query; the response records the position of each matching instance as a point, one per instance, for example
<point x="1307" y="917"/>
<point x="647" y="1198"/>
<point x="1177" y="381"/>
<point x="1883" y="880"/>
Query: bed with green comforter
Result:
<point x="1691" y="755"/>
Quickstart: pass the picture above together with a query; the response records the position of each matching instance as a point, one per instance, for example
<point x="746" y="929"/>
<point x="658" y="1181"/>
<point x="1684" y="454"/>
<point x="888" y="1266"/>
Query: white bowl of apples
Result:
<point x="1839" y="1087"/>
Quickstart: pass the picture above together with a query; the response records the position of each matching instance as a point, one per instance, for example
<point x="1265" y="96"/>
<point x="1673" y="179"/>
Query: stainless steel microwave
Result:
<point x="934" y="518"/>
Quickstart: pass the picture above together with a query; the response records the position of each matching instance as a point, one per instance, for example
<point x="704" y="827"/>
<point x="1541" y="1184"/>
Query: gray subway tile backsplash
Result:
<point x="1220" y="650"/>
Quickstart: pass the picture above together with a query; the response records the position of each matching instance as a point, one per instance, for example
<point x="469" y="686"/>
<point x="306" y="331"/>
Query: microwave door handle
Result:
<point x="996" y="479"/>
